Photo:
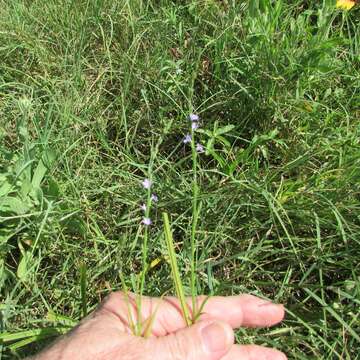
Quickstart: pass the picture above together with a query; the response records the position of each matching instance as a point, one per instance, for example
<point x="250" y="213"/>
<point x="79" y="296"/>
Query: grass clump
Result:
<point x="90" y="94"/>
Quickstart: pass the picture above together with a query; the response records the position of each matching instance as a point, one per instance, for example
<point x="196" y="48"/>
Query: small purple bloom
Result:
<point x="199" y="148"/>
<point x="146" y="183"/>
<point x="187" y="139"/>
<point x="194" y="117"/>
<point x="194" y="125"/>
<point x="143" y="207"/>
<point x="154" y="198"/>
<point x="146" y="221"/>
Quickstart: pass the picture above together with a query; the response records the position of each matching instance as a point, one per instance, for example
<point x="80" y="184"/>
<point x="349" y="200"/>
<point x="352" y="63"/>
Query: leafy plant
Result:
<point x="22" y="196"/>
<point x="216" y="137"/>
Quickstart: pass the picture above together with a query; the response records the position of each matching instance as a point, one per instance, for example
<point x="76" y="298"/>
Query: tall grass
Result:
<point x="95" y="97"/>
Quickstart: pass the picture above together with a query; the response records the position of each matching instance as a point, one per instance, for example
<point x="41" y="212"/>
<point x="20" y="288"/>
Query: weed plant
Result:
<point x="264" y="199"/>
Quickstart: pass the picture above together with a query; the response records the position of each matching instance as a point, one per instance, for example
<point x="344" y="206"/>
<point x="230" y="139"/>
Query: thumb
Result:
<point x="206" y="340"/>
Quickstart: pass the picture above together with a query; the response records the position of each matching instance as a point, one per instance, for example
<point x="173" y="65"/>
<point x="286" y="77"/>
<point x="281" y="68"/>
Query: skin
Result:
<point x="106" y="334"/>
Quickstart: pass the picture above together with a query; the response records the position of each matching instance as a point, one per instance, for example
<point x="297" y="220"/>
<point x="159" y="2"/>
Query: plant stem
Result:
<point x="154" y="151"/>
<point x="175" y="270"/>
<point x="195" y="190"/>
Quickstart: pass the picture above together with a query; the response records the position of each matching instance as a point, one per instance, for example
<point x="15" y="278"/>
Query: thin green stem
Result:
<point x="195" y="190"/>
<point x="154" y="151"/>
<point x="144" y="258"/>
<point x="175" y="270"/>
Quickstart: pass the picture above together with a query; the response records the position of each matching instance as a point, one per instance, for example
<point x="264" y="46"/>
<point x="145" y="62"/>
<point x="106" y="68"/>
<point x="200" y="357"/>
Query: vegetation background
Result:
<point x="88" y="87"/>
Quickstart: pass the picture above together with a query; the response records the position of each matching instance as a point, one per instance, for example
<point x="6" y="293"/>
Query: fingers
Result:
<point x="206" y="340"/>
<point x="245" y="310"/>
<point x="253" y="352"/>
<point x="242" y="310"/>
<point x="237" y="311"/>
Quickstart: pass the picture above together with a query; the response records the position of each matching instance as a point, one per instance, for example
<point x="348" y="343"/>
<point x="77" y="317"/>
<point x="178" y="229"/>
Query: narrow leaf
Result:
<point x="175" y="270"/>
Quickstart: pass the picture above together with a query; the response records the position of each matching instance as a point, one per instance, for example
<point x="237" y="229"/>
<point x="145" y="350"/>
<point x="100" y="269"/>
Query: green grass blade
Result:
<point x="332" y="312"/>
<point x="175" y="270"/>
<point x="83" y="289"/>
<point x="132" y="325"/>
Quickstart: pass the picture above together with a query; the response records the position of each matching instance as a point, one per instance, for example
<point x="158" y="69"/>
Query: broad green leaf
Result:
<point x="49" y="157"/>
<point x="23" y="267"/>
<point x="209" y="145"/>
<point x="204" y="131"/>
<point x="26" y="186"/>
<point x="52" y="188"/>
<point x="5" y="185"/>
<point x="13" y="205"/>
<point x="224" y="130"/>
<point x="37" y="195"/>
<point x="39" y="174"/>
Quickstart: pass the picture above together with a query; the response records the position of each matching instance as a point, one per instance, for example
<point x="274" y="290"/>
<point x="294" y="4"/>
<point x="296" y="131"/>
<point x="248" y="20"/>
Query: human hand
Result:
<point x="106" y="334"/>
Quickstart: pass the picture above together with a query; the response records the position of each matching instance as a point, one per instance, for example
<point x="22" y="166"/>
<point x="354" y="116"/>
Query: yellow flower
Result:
<point x="155" y="262"/>
<point x="345" y="4"/>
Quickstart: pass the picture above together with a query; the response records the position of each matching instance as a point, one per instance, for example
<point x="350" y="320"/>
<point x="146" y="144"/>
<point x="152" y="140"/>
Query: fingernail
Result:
<point x="216" y="337"/>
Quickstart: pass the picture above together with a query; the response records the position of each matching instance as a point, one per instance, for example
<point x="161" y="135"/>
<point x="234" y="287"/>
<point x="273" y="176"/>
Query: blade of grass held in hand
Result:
<point x="175" y="270"/>
<point x="133" y="327"/>
<point x="148" y="323"/>
<point x="198" y="312"/>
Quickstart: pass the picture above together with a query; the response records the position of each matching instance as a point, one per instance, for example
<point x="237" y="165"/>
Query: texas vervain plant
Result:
<point x="196" y="206"/>
<point x="151" y="197"/>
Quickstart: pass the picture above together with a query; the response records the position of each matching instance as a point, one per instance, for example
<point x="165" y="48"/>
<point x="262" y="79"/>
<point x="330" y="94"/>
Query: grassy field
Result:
<point x="95" y="97"/>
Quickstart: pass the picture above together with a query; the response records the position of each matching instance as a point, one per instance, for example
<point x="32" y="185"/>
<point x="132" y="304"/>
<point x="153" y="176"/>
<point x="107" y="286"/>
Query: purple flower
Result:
<point x="146" y="221"/>
<point x="199" y="148"/>
<point x="146" y="183"/>
<point x="187" y="139"/>
<point x="143" y="207"/>
<point x="194" y="117"/>
<point x="194" y="125"/>
<point x="154" y="198"/>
